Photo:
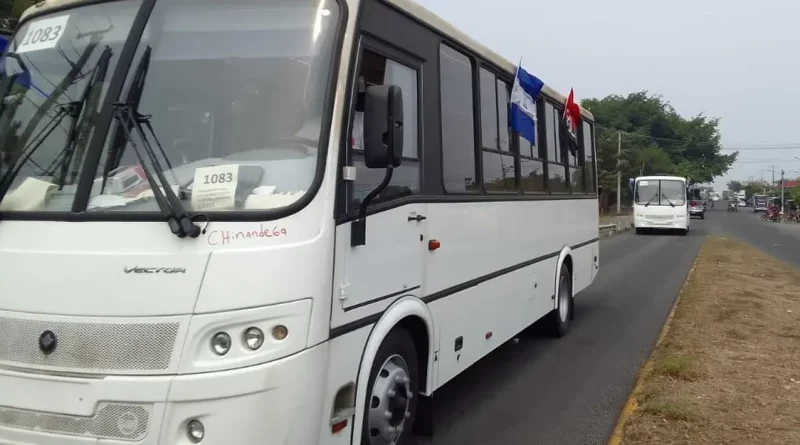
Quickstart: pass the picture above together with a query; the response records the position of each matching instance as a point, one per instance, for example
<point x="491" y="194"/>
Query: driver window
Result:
<point x="379" y="70"/>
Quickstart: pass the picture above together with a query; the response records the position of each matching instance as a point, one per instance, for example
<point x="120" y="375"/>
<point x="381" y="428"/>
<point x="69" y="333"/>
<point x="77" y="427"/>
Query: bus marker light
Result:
<point x="280" y="332"/>
<point x="434" y="244"/>
<point x="339" y="426"/>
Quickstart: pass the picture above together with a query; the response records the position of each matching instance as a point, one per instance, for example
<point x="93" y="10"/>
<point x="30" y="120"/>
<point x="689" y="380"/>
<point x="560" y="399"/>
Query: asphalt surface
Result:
<point x="782" y="240"/>
<point x="571" y="390"/>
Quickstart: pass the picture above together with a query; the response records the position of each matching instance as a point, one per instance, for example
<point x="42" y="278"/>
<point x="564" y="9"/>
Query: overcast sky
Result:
<point x="733" y="59"/>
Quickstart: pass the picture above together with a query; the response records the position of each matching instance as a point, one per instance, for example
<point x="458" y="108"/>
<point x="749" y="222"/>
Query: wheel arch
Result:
<point x="409" y="313"/>
<point x="564" y="257"/>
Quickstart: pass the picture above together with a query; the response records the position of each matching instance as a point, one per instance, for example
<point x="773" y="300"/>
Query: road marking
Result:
<point x="630" y="404"/>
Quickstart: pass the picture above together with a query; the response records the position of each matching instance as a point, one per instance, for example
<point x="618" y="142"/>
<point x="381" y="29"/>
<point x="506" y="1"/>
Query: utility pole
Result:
<point x="619" y="173"/>
<point x="782" y="200"/>
<point x="773" y="175"/>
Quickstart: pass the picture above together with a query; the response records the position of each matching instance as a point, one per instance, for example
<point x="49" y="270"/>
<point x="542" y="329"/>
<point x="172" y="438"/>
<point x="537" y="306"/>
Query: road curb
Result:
<point x="630" y="404"/>
<point x="607" y="230"/>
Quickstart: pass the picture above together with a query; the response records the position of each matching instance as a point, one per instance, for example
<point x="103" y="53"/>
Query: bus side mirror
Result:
<point x="383" y="126"/>
<point x="599" y="189"/>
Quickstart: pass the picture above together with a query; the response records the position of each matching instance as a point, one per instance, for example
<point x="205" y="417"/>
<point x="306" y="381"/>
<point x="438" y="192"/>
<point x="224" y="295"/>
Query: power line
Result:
<point x="736" y="147"/>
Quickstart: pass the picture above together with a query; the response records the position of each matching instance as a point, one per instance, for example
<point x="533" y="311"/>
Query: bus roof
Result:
<point x="656" y="177"/>
<point x="429" y="18"/>
<point x="412" y="8"/>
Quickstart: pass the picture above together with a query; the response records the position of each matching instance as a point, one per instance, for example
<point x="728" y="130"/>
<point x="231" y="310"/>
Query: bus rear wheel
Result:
<point x="393" y="386"/>
<point x="561" y="316"/>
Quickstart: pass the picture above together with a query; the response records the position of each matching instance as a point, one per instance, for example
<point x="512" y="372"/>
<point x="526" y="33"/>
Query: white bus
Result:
<point x="660" y="203"/>
<point x="301" y="279"/>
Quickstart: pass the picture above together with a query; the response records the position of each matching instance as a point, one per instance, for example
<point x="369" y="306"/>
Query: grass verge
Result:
<point x="727" y="370"/>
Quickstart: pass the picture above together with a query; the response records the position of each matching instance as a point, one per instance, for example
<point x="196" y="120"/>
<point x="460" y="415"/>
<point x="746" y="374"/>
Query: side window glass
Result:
<point x="379" y="70"/>
<point x="489" y="135"/>
<point x="458" y="122"/>
<point x="588" y="153"/>
<point x="557" y="172"/>
<point x="503" y="95"/>
<point x="499" y="165"/>
<point x="531" y="161"/>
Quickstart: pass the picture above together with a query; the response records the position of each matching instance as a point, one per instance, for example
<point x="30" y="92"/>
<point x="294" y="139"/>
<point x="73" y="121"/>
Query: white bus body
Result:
<point x="660" y="203"/>
<point x="271" y="322"/>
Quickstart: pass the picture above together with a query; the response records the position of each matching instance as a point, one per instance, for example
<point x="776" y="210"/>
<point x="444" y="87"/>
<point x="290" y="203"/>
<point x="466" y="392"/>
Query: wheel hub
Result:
<point x="390" y="402"/>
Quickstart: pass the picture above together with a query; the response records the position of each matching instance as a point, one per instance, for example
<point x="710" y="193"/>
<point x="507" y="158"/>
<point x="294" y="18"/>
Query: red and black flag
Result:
<point x="570" y="122"/>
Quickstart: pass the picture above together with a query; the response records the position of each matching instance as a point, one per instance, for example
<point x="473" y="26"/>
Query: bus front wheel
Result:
<point x="393" y="392"/>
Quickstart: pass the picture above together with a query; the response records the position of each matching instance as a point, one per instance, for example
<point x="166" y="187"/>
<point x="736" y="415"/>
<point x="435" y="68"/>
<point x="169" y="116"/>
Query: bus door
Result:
<point x="390" y="262"/>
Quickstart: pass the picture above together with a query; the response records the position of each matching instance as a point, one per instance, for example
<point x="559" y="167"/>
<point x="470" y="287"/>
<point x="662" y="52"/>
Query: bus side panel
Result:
<point x="495" y="271"/>
<point x="474" y="322"/>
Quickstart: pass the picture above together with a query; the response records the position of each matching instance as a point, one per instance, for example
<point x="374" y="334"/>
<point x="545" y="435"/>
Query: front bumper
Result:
<point x="669" y="224"/>
<point x="276" y="402"/>
<point x="698" y="211"/>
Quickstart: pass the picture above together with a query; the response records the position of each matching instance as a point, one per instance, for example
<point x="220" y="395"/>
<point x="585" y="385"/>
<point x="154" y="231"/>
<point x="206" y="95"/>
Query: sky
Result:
<point x="736" y="60"/>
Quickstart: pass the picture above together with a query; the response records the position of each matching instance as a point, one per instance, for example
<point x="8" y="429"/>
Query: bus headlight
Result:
<point x="253" y="338"/>
<point x="221" y="343"/>
<point x="196" y="431"/>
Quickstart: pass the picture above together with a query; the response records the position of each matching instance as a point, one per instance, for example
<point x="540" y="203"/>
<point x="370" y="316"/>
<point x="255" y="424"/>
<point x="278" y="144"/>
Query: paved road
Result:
<point x="570" y="391"/>
<point x="779" y="239"/>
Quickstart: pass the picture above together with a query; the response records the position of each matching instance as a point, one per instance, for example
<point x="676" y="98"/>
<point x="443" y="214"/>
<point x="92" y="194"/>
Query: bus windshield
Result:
<point x="233" y="91"/>
<point x="660" y="192"/>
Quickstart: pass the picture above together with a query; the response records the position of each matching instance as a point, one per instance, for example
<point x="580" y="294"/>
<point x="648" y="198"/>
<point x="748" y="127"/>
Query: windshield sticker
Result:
<point x="214" y="188"/>
<point x="226" y="237"/>
<point x="644" y="183"/>
<point x="43" y="34"/>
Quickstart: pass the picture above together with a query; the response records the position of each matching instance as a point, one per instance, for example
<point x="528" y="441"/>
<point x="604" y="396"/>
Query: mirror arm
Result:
<point x="358" y="230"/>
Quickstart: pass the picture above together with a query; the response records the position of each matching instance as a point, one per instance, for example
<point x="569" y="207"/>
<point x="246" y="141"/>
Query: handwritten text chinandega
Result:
<point x="226" y="237"/>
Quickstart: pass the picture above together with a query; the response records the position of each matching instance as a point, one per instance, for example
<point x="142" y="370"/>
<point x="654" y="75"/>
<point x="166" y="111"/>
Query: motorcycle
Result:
<point x="733" y="206"/>
<point x="774" y="215"/>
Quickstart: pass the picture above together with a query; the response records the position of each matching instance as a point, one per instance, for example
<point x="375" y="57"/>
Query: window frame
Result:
<point x="369" y="43"/>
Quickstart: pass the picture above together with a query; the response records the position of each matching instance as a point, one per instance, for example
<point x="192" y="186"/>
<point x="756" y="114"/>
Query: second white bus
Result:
<point x="660" y="203"/>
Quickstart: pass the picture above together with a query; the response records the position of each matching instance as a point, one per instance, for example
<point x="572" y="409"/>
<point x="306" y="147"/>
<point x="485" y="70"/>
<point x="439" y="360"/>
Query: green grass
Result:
<point x="679" y="367"/>
<point x="670" y="409"/>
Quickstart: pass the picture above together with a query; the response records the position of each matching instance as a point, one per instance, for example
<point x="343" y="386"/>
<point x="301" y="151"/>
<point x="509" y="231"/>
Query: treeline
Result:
<point x="654" y="139"/>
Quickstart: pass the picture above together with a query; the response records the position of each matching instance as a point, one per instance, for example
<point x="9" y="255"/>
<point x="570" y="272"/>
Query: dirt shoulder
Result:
<point x="727" y="370"/>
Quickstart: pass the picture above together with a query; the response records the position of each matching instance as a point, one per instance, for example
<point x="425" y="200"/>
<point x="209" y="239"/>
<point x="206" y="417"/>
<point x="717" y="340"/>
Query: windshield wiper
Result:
<point x="650" y="201"/>
<point x="30" y="149"/>
<point x="670" y="202"/>
<point x="75" y="110"/>
<point x="180" y="224"/>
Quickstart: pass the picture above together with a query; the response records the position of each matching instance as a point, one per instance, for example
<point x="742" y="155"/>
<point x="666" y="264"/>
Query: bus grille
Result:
<point x="89" y="347"/>
<point x="119" y="422"/>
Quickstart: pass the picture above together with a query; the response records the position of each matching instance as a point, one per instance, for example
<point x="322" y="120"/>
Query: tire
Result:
<point x="639" y="231"/>
<point x="684" y="232"/>
<point x="703" y="216"/>
<point x="394" y="385"/>
<point x="559" y="319"/>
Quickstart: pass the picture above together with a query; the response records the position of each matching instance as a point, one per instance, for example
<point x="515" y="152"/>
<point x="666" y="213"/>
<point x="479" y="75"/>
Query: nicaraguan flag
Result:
<point x="522" y="116"/>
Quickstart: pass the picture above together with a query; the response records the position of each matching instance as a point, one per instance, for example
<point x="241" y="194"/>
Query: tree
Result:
<point x="734" y="186"/>
<point x="11" y="10"/>
<point x="752" y="188"/>
<point x="655" y="140"/>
